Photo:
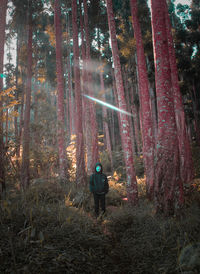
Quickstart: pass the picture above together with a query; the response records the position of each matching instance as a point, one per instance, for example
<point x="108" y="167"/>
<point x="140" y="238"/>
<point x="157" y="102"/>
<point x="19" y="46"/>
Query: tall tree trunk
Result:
<point x="128" y="105"/>
<point x="153" y="110"/>
<point x="168" y="183"/>
<point x="112" y="115"/>
<point x="25" y="176"/>
<point x="92" y="120"/>
<point x="132" y="192"/>
<point x="23" y="40"/>
<point x="35" y="135"/>
<point x="125" y="76"/>
<point x="147" y="125"/>
<point x="117" y="105"/>
<point x="3" y="9"/>
<point x="83" y="80"/>
<point x="6" y="129"/>
<point x="105" y="119"/>
<point x="186" y="165"/>
<point x="21" y="123"/>
<point x="138" y="108"/>
<point x="69" y="117"/>
<point x="71" y="102"/>
<point x="17" y="97"/>
<point x="60" y="95"/>
<point x="135" y="120"/>
<point x="80" y="151"/>
<point x="86" y="103"/>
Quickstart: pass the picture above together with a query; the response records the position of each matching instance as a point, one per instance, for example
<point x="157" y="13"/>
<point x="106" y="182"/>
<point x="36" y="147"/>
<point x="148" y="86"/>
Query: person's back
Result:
<point x="99" y="187"/>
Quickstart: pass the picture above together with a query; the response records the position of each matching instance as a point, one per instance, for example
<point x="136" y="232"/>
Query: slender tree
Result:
<point x="128" y="97"/>
<point x="168" y="183"/>
<point x="71" y="116"/>
<point x="186" y="165"/>
<point x="69" y="94"/>
<point x="132" y="192"/>
<point x="25" y="176"/>
<point x="117" y="105"/>
<point x="92" y="119"/>
<point x="36" y="120"/>
<point x="60" y="90"/>
<point x="16" y="107"/>
<point x="147" y="125"/>
<point x="105" y="119"/>
<point x="3" y="9"/>
<point x="85" y="103"/>
<point x="153" y="110"/>
<point x="20" y="125"/>
<point x="80" y="152"/>
<point x="22" y="38"/>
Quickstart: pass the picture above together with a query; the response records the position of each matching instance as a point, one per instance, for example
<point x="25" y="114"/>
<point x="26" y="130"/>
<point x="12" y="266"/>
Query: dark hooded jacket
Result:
<point x="99" y="181"/>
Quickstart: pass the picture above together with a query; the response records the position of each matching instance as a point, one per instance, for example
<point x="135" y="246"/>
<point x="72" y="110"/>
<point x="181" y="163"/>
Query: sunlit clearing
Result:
<point x="108" y="105"/>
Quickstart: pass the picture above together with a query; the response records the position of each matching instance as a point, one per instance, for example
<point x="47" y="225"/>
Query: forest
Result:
<point x="112" y="82"/>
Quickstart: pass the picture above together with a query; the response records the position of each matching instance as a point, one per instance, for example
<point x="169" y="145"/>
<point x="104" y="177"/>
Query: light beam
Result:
<point x="107" y="105"/>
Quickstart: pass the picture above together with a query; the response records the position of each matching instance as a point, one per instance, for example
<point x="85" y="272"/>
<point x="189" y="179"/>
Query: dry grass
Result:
<point x="50" y="229"/>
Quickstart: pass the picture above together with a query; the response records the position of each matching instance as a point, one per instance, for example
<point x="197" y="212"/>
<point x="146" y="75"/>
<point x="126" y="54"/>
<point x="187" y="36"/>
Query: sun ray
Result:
<point x="107" y="105"/>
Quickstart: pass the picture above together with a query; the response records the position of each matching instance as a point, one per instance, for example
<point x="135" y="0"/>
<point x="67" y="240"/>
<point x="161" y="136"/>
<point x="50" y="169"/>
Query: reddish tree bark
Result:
<point x="80" y="151"/>
<point x="168" y="183"/>
<point x="186" y="165"/>
<point x="6" y="129"/>
<point x="83" y="75"/>
<point x="60" y="95"/>
<point x="125" y="76"/>
<point x="23" y="40"/>
<point x="154" y="111"/>
<point x="25" y="176"/>
<point x="21" y="122"/>
<point x="132" y="192"/>
<point x="83" y="49"/>
<point x="35" y="135"/>
<point x="105" y="122"/>
<point x="16" y="96"/>
<point x="92" y="119"/>
<point x="146" y="114"/>
<point x="113" y="130"/>
<point x="138" y="109"/>
<point x="117" y="105"/>
<point x="71" y="116"/>
<point x="135" y="120"/>
<point x="86" y="103"/>
<point x="83" y="78"/>
<point x="3" y="9"/>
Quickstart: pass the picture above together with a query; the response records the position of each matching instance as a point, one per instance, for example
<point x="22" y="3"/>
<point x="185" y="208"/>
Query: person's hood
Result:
<point x="98" y="164"/>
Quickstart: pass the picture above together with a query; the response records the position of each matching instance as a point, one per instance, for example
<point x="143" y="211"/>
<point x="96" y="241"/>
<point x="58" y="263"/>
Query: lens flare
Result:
<point x="108" y="105"/>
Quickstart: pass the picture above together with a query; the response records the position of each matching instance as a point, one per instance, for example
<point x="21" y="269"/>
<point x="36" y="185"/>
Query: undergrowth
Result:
<point x="51" y="229"/>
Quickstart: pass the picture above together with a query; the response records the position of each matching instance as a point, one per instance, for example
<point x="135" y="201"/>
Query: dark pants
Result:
<point x="99" y="198"/>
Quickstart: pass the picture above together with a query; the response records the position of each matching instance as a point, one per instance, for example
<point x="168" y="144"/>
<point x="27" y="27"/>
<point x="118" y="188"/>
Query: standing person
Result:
<point x="99" y="187"/>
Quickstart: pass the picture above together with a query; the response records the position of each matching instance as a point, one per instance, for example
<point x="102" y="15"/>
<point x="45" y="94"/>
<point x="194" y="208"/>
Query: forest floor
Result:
<point x="50" y="229"/>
